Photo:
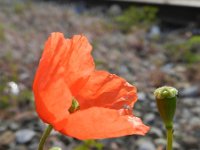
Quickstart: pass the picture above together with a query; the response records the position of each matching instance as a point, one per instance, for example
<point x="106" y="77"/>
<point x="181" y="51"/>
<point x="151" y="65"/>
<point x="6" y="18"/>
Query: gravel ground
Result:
<point x="137" y="56"/>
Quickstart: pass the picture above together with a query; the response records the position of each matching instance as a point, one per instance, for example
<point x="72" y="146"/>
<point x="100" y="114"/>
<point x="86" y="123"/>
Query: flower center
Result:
<point x="75" y="106"/>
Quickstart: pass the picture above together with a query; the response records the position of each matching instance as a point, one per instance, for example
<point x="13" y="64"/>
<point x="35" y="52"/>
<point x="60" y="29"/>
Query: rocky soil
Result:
<point x="140" y="56"/>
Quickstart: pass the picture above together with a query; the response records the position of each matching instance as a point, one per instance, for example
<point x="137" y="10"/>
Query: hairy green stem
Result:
<point x="169" y="138"/>
<point x="44" y="137"/>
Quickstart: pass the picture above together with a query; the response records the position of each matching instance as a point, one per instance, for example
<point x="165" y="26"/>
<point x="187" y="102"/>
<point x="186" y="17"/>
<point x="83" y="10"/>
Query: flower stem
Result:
<point x="44" y="137"/>
<point x="169" y="138"/>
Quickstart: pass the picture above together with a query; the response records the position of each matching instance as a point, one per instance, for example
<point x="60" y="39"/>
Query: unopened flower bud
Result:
<point x="166" y="102"/>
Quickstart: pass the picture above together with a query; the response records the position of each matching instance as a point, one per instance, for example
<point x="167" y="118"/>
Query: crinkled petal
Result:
<point x="106" y="90"/>
<point x="52" y="103"/>
<point x="98" y="123"/>
<point x="52" y="95"/>
<point x="80" y="63"/>
<point x="70" y="58"/>
<point x="64" y="68"/>
<point x="50" y="66"/>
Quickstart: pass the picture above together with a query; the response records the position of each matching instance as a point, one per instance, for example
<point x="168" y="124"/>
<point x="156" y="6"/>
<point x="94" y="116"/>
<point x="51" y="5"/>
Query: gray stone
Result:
<point x="55" y="148"/>
<point x="7" y="137"/>
<point x="14" y="126"/>
<point x="24" y="76"/>
<point x="25" y="135"/>
<point x="195" y="122"/>
<point x="141" y="96"/>
<point x="196" y="111"/>
<point x="154" y="31"/>
<point x="156" y="132"/>
<point x="115" y="10"/>
<point x="188" y="102"/>
<point x="168" y="68"/>
<point x="3" y="127"/>
<point x="13" y="88"/>
<point x="20" y="147"/>
<point x="176" y="146"/>
<point x="190" y="140"/>
<point x="190" y="92"/>
<point x="160" y="141"/>
<point x="123" y="69"/>
<point x="145" y="144"/>
<point x="33" y="146"/>
<point x="186" y="113"/>
<point x="154" y="106"/>
<point x="148" y="118"/>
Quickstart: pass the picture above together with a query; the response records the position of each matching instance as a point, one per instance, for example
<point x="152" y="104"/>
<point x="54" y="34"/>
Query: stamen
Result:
<point x="75" y="106"/>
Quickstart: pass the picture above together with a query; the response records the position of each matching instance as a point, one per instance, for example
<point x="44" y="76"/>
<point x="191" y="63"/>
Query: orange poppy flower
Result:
<point x="66" y="71"/>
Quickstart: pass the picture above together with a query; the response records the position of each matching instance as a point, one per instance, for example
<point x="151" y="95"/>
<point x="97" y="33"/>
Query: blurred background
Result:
<point x="150" y="45"/>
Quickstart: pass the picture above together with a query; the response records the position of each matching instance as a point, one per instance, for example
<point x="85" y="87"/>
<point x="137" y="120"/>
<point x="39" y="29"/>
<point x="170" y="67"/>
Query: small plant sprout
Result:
<point x="166" y="102"/>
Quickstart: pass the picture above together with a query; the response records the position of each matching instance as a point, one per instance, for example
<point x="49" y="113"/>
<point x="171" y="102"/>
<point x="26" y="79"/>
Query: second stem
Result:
<point x="169" y="138"/>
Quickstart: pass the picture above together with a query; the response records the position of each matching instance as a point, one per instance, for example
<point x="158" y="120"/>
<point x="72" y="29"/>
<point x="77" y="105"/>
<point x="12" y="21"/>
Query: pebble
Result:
<point x="153" y="107"/>
<point x="13" y="126"/>
<point x="168" y="68"/>
<point x="24" y="76"/>
<point x="33" y="146"/>
<point x="190" y="140"/>
<point x="195" y="122"/>
<point x="160" y="141"/>
<point x="176" y="146"/>
<point x="114" y="10"/>
<point x="13" y="88"/>
<point x="145" y="144"/>
<point x="141" y="96"/>
<point x="3" y="128"/>
<point x="188" y="101"/>
<point x="154" y="31"/>
<point x="186" y="113"/>
<point x="58" y="143"/>
<point x="149" y="118"/>
<point x="156" y="132"/>
<point x="198" y="102"/>
<point x="114" y="146"/>
<point x="196" y="111"/>
<point x="20" y="147"/>
<point x="123" y="69"/>
<point x="190" y="92"/>
<point x="25" y="135"/>
<point x="7" y="137"/>
<point x="55" y="148"/>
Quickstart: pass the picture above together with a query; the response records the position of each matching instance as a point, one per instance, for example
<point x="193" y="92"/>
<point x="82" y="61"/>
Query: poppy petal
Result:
<point x="64" y="68"/>
<point x="106" y="90"/>
<point x="98" y="123"/>
<point x="70" y="58"/>
<point x="53" y="102"/>
<point x="80" y="63"/>
<point x="52" y="95"/>
<point x="50" y="63"/>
